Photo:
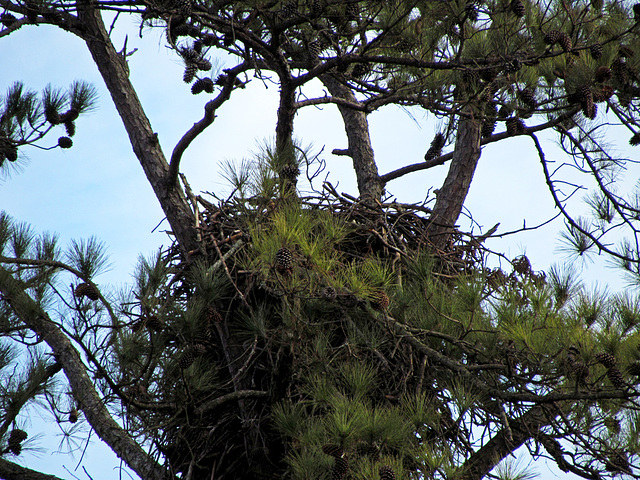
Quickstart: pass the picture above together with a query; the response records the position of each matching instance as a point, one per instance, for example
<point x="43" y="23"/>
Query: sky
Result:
<point x="97" y="187"/>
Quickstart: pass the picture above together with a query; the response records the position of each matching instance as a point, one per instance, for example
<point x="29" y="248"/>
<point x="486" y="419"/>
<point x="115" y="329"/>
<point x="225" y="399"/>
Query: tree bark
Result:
<point x="360" y="150"/>
<point x="13" y="471"/>
<point x="112" y="67"/>
<point x="454" y="190"/>
<point x="82" y="386"/>
<point x="504" y="443"/>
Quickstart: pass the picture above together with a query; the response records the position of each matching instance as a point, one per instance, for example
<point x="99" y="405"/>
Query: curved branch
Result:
<point x="200" y="126"/>
<point x="81" y="384"/>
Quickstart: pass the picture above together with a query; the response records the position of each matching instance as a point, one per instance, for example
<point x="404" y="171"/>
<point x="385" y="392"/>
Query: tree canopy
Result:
<point x="291" y="331"/>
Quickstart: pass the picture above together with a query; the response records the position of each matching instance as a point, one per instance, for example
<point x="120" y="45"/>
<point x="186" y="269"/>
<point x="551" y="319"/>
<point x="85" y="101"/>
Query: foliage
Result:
<point x="330" y="336"/>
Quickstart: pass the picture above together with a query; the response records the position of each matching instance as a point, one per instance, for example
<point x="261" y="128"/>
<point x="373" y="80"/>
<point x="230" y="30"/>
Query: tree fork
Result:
<point x="455" y="188"/>
<point x="360" y="150"/>
<point x="143" y="140"/>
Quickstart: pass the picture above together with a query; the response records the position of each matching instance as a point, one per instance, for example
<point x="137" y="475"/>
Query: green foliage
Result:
<point x="88" y="256"/>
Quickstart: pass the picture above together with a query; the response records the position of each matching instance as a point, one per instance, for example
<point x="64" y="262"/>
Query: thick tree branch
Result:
<point x="143" y="140"/>
<point x="13" y="471"/>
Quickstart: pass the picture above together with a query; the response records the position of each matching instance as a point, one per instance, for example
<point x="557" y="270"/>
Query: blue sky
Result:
<point x="97" y="188"/>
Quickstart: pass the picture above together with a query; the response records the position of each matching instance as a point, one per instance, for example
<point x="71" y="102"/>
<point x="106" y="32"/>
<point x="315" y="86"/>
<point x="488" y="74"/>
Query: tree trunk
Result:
<point x="360" y="150"/>
<point x="455" y="188"/>
<point x="112" y="67"/>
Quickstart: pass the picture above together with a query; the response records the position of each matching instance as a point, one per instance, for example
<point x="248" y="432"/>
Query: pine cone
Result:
<point x="380" y="301"/>
<point x="154" y="323"/>
<point x="213" y="316"/>
<point x="621" y="70"/>
<point x="488" y="127"/>
<point x="615" y="377"/>
<point x="73" y="416"/>
<point x="16" y="437"/>
<point x="184" y="7"/>
<point x="515" y="126"/>
<point x="565" y="42"/>
<point x="387" y="473"/>
<point x="70" y="127"/>
<point x="340" y="468"/>
<point x="290" y="172"/>
<point x="187" y="359"/>
<point x="289" y="9"/>
<point x="552" y="37"/>
<point x="315" y="48"/>
<point x="596" y="51"/>
<point x="329" y="293"/>
<point x="603" y="74"/>
<point x="528" y="97"/>
<point x="606" y="359"/>
<point x="87" y="290"/>
<point x="333" y="450"/>
<point x="198" y="87"/>
<point x="316" y="8"/>
<point x="603" y="94"/>
<point x="7" y="19"/>
<point x="435" y="149"/>
<point x="517" y="7"/>
<point x="284" y="261"/>
<point x="65" y="142"/>
<point x="190" y="71"/>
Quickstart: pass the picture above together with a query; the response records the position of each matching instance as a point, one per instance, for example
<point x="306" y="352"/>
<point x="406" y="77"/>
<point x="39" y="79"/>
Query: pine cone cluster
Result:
<point x="202" y="85"/>
<point x="635" y="140"/>
<point x="515" y="126"/>
<point x="435" y="149"/>
<point x="16" y="437"/>
<point x="284" y="261"/>
<point x="86" y="290"/>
